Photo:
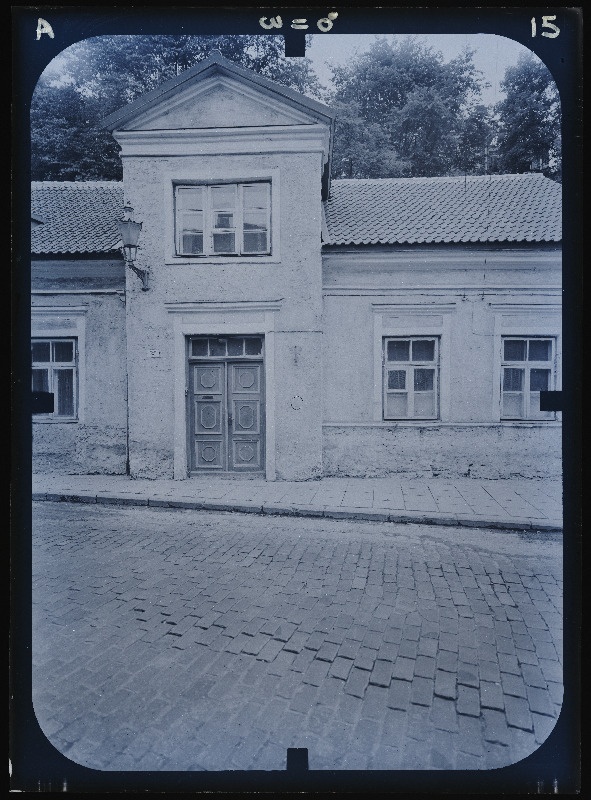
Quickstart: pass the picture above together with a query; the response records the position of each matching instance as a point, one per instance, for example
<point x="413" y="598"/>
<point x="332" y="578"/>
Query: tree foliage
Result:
<point x="102" y="74"/>
<point x="404" y="97"/>
<point x="401" y="110"/>
<point x="529" y="119"/>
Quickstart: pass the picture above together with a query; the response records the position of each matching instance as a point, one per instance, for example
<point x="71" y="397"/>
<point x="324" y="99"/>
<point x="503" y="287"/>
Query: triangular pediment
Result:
<point x="218" y="101"/>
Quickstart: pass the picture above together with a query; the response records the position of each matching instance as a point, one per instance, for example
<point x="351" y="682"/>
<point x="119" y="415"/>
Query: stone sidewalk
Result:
<point x="516" y="504"/>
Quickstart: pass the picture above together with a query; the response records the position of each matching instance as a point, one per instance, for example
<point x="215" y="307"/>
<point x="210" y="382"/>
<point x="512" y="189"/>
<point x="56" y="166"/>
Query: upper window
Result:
<point x="55" y="371"/>
<point x="223" y="219"/>
<point x="411" y="378"/>
<point x="527" y="369"/>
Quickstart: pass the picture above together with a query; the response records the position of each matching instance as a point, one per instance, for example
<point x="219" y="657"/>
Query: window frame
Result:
<point x="409" y="368"/>
<point x="209" y="228"/>
<point x="527" y="365"/>
<point x="52" y="367"/>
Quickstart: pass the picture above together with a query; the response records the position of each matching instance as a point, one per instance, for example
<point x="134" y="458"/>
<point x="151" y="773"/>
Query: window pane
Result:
<point x="539" y="380"/>
<point x="514" y="350"/>
<point x="65" y="392"/>
<point x="224" y="243"/>
<point x="253" y="346"/>
<point x="224" y="219"/>
<point x="40" y="380"/>
<point x="190" y="197"/>
<point x="513" y="405"/>
<point x="255" y="242"/>
<point x="192" y="243"/>
<point x="256" y="196"/>
<point x="193" y="222"/>
<point x="199" y="347"/>
<point x="396" y="379"/>
<point x="512" y="380"/>
<point x="223" y="197"/>
<point x="255" y="220"/>
<point x="398" y="350"/>
<point x="424" y="380"/>
<point x="63" y="351"/>
<point x="397" y="405"/>
<point x="235" y="347"/>
<point x="540" y="350"/>
<point x="217" y="347"/>
<point x="40" y="351"/>
<point x="424" y="404"/>
<point x="423" y="350"/>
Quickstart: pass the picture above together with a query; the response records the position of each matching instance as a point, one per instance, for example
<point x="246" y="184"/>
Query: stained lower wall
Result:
<point x="451" y="451"/>
<point x="96" y="442"/>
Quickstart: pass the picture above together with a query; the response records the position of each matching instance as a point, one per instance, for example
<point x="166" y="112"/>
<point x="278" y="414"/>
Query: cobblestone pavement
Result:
<point x="183" y="640"/>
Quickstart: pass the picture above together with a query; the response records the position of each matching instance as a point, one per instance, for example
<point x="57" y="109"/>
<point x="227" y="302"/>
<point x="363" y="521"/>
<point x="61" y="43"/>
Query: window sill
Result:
<point x="229" y="260"/>
<point x="54" y="420"/>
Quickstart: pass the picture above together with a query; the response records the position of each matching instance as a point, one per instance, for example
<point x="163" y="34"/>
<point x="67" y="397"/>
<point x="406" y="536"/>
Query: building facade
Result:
<point x="292" y="327"/>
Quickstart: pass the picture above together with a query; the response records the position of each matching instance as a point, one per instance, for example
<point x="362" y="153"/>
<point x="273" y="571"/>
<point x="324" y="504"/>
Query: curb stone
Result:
<point x="303" y="511"/>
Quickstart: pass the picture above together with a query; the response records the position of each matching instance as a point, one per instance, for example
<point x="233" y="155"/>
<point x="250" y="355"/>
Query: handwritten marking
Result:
<point x="325" y="24"/>
<point x="274" y="22"/>
<point x="43" y="26"/>
<point x="546" y="23"/>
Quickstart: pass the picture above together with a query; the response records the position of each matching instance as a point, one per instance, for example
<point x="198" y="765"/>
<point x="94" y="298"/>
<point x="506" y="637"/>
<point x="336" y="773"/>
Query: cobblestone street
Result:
<point x="187" y="640"/>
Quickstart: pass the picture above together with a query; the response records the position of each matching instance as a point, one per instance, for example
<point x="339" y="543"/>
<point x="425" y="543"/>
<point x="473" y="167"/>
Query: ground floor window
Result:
<point x="411" y="377"/>
<point x="527" y="368"/>
<point x="55" y="370"/>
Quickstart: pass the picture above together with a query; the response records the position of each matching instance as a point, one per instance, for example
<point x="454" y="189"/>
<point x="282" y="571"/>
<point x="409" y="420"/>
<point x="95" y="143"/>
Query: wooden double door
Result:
<point x="226" y="415"/>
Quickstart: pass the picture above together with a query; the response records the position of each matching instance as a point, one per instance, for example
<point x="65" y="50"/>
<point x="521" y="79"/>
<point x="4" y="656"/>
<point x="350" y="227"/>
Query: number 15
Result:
<point x="555" y="30"/>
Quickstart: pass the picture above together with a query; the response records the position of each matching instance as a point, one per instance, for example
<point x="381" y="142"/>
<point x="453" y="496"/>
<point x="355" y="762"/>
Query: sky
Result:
<point x="493" y="54"/>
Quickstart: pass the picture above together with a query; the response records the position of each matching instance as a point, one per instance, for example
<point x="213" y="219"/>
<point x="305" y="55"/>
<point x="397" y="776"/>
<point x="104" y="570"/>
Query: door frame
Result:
<point x="244" y="318"/>
<point x="227" y="395"/>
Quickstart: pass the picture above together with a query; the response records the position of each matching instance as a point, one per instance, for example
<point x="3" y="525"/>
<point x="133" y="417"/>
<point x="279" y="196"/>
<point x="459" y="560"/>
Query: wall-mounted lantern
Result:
<point x="130" y="234"/>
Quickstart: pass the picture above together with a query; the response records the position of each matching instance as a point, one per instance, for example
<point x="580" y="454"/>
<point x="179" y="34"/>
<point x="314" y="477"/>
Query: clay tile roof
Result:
<point x="481" y="208"/>
<point x="76" y="217"/>
<point x="81" y="217"/>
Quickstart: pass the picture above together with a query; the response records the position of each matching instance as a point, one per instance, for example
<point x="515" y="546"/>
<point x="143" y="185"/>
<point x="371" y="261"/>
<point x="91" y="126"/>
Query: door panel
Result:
<point x="245" y="425"/>
<point x="246" y="416"/>
<point x="246" y="378"/>
<point x="227" y="416"/>
<point x="209" y="414"/>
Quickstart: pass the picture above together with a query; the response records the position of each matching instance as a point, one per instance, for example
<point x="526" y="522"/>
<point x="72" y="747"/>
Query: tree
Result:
<point x="402" y="103"/>
<point x="529" y="119"/>
<point x="99" y="75"/>
<point x="362" y="149"/>
<point x="477" y="153"/>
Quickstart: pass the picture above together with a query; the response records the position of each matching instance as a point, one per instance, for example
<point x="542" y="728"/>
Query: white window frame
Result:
<point x="63" y="322"/>
<point x="408" y="367"/>
<point x="52" y="367"/>
<point x="526" y="366"/>
<point x="214" y="175"/>
<point x="209" y="228"/>
<point x="402" y="320"/>
<point x="516" y="320"/>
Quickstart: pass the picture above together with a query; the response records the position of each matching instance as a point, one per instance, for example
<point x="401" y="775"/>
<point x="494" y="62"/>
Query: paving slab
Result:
<point x="504" y="505"/>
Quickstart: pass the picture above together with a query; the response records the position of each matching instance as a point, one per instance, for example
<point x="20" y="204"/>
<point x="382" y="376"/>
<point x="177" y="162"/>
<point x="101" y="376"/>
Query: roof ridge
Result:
<point x="76" y="184"/>
<point x="499" y="176"/>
